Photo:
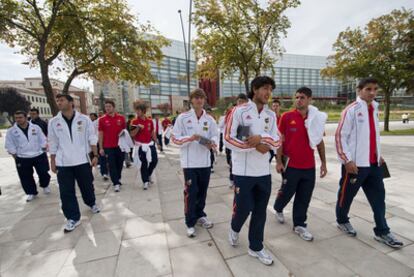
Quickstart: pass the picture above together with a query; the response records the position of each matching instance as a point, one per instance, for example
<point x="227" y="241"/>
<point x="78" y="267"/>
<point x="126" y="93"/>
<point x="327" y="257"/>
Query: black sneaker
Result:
<point x="390" y="240"/>
<point x="347" y="229"/>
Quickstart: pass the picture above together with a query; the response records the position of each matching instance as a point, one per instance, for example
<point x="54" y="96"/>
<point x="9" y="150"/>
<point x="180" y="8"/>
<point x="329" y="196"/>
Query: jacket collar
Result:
<point x="363" y="102"/>
<point x="194" y="113"/>
<point x="60" y="115"/>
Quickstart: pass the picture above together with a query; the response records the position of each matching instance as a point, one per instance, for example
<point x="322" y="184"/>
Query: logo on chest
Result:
<point x="205" y="126"/>
<point x="80" y="126"/>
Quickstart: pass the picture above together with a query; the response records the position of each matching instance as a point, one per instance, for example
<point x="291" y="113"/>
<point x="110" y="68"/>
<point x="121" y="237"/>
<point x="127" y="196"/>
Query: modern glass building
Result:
<point x="171" y="87"/>
<point x="291" y="72"/>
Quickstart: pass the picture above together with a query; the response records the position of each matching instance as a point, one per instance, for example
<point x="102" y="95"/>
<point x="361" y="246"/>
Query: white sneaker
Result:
<point x="95" y="209"/>
<point x="105" y="177"/>
<point x="233" y="237"/>
<point x="71" y="225"/>
<point x="205" y="223"/>
<point x="46" y="190"/>
<point x="191" y="233"/>
<point x="231" y="185"/>
<point x="280" y="217"/>
<point x="30" y="197"/>
<point x="117" y="188"/>
<point x="303" y="233"/>
<point x="262" y="255"/>
<point x="151" y="180"/>
<point x="145" y="186"/>
<point x="212" y="170"/>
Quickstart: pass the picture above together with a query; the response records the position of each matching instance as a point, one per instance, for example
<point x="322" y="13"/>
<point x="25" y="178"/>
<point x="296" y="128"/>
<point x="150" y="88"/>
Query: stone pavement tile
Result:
<point x="325" y="267"/>
<point x="246" y="266"/>
<point x="177" y="234"/>
<point x="363" y="259"/>
<point x="40" y="265"/>
<point x="144" y="256"/>
<point x="95" y="246"/>
<point x="363" y="210"/>
<point x="103" y="267"/>
<point x="172" y="210"/>
<point x="274" y="229"/>
<point x="404" y="255"/>
<point x="322" y="210"/>
<point x="402" y="227"/>
<point x="30" y="228"/>
<point x="141" y="194"/>
<point x="7" y="220"/>
<point x="202" y="259"/>
<point x="220" y="232"/>
<point x="219" y="182"/>
<point x="218" y="212"/>
<point x="172" y="195"/>
<point x="405" y="212"/>
<point x="115" y="202"/>
<point x="321" y="229"/>
<point x="294" y="252"/>
<point x="366" y="234"/>
<point x="324" y="195"/>
<point x="143" y="226"/>
<point x="145" y="207"/>
<point x="53" y="238"/>
<point x="11" y="252"/>
<point x="110" y="220"/>
<point x="223" y="190"/>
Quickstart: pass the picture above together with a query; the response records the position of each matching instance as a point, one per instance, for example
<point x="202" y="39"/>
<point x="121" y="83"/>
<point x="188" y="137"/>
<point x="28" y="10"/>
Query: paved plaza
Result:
<point x="142" y="233"/>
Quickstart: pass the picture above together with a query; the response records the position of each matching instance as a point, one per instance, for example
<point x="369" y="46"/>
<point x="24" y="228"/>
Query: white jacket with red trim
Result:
<point x="247" y="161"/>
<point x="352" y="135"/>
<point x="25" y="147"/>
<point x="193" y="154"/>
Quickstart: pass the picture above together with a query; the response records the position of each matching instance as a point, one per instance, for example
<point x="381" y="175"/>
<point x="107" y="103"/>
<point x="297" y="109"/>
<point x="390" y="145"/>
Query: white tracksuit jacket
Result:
<point x="71" y="151"/>
<point x="193" y="154"/>
<point x="352" y="134"/>
<point x="18" y="144"/>
<point x="248" y="161"/>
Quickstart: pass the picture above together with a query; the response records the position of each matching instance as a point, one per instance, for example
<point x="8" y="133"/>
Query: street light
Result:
<point x="187" y="51"/>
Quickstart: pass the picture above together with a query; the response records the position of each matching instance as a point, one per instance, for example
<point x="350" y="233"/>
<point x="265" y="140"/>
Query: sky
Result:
<point x="315" y="25"/>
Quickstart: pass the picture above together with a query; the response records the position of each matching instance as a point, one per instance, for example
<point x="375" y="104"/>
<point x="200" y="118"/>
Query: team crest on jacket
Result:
<point x="58" y="125"/>
<point x="266" y="120"/>
<point x="360" y="114"/>
<point x="205" y="123"/>
<point x="248" y="117"/>
<point x="292" y="122"/>
<point x="79" y="122"/>
<point x="189" y="121"/>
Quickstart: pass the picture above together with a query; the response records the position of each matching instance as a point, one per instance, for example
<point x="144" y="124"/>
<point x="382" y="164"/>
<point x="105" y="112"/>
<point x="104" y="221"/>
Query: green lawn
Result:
<point x="405" y="132"/>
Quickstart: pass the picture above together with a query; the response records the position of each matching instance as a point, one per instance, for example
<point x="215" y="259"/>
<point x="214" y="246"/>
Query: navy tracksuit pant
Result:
<point x="147" y="169"/>
<point x="228" y="159"/>
<point x="298" y="182"/>
<point x="66" y="176"/>
<point x="195" y="193"/>
<point x="115" y="159"/>
<point x="159" y="138"/>
<point x="103" y="164"/>
<point x="25" y="171"/>
<point x="251" y="195"/>
<point x="370" y="179"/>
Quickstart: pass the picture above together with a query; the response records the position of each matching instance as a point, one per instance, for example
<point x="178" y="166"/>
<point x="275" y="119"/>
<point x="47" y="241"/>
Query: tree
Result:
<point x="98" y="38"/>
<point x="383" y="49"/>
<point x="12" y="101"/>
<point x="240" y="35"/>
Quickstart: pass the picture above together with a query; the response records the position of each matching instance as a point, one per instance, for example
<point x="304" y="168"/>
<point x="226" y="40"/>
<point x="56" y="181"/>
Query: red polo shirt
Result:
<point x="165" y="123"/>
<point x="372" y="136"/>
<point x="296" y="142"/>
<point x="144" y="135"/>
<point x="111" y="126"/>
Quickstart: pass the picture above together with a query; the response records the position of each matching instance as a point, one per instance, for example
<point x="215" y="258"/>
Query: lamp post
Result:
<point x="187" y="48"/>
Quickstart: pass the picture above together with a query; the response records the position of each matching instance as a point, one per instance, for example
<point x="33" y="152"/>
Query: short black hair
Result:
<point x="305" y="90"/>
<point x="64" y="95"/>
<point x="276" y="101"/>
<point x="94" y="114"/>
<point x="365" y="81"/>
<point x="110" y="102"/>
<point x="20" y="112"/>
<point x="242" y="96"/>
<point x="34" y="110"/>
<point x="259" y="82"/>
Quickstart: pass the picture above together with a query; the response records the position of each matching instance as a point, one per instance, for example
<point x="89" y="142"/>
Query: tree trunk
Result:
<point x="387" y="104"/>
<point x="47" y="86"/>
<point x="246" y="81"/>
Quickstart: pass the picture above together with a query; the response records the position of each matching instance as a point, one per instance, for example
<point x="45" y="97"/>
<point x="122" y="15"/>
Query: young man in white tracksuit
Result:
<point x="26" y="142"/>
<point x="251" y="132"/>
<point x="71" y="137"/>
<point x="196" y="133"/>
<point x="358" y="145"/>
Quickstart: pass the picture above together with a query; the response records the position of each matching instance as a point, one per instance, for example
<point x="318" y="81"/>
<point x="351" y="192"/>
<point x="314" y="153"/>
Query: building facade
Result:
<point x="170" y="88"/>
<point x="291" y="72"/>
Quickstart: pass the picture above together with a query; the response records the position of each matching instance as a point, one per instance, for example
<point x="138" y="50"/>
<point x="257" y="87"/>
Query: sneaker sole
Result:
<point x="254" y="255"/>
<point x="385" y="242"/>
<point x="76" y="225"/>
<point x="346" y="232"/>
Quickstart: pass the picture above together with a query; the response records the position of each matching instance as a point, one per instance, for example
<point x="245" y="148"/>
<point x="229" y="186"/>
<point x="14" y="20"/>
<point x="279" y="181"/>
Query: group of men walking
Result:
<point x="251" y="133"/>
